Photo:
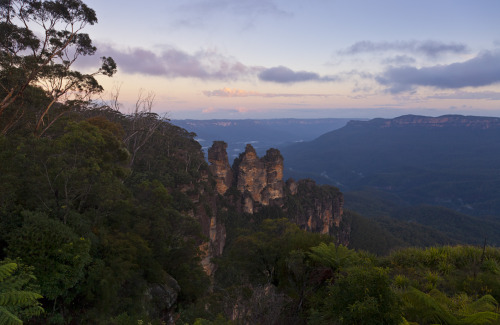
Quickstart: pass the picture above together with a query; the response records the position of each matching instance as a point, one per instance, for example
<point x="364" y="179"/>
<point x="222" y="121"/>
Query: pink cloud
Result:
<point x="208" y="110"/>
<point x="230" y="92"/>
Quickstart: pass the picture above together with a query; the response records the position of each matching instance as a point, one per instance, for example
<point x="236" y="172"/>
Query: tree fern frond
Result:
<point x="405" y="322"/>
<point x="481" y="318"/>
<point x="7" y="318"/>
<point x="33" y="311"/>
<point x="6" y="270"/>
<point x="485" y="303"/>
<point x="18" y="298"/>
<point x="428" y="305"/>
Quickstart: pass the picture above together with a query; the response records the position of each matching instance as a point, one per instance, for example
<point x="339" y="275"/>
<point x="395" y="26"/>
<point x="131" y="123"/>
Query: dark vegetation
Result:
<point x="96" y="225"/>
<point x="443" y="175"/>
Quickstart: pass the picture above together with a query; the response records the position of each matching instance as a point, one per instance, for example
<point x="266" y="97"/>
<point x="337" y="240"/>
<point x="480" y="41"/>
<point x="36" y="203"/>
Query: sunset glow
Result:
<point x="258" y="59"/>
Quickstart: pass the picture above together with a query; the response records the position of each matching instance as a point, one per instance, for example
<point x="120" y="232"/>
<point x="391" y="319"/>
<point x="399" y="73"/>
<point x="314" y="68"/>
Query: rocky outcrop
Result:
<point x="205" y="209"/>
<point x="316" y="208"/>
<point x="160" y="298"/>
<point x="273" y="163"/>
<point x="258" y="182"/>
<point x="219" y="166"/>
<point x="213" y="229"/>
<point x="250" y="174"/>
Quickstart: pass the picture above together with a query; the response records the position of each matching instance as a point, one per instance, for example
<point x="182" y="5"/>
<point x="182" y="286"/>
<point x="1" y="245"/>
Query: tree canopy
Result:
<point x="40" y="41"/>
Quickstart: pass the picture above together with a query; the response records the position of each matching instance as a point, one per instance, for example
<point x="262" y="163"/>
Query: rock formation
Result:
<point x="250" y="174"/>
<point x="259" y="183"/>
<point x="319" y="208"/>
<point x="205" y="211"/>
<point x="260" y="180"/>
<point x="219" y="166"/>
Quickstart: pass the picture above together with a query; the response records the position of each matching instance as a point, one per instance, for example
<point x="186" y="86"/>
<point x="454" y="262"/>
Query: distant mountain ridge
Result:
<point x="478" y="122"/>
<point x="261" y="133"/>
<point x="451" y="160"/>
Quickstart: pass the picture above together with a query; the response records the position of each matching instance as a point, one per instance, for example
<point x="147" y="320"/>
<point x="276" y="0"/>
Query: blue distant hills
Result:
<point x="438" y="172"/>
<point x="262" y="134"/>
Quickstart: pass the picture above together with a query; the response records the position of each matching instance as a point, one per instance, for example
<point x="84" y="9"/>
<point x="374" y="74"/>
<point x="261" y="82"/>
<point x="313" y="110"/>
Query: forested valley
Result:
<point x="108" y="218"/>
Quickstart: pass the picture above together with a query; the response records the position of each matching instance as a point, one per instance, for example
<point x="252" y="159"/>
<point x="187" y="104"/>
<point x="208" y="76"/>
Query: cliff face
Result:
<point x="219" y="166"/>
<point x="205" y="207"/>
<point x="273" y="163"/>
<point x="316" y="208"/>
<point x="259" y="179"/>
<point x="251" y="174"/>
<point x="259" y="182"/>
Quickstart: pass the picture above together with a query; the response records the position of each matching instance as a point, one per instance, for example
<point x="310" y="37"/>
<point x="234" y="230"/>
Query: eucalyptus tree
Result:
<point x="39" y="43"/>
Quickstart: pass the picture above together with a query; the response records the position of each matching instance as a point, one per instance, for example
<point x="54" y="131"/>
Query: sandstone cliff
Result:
<point x="219" y="166"/>
<point x="445" y="121"/>
<point x="258" y="182"/>
<point x="315" y="208"/>
<point x="205" y="210"/>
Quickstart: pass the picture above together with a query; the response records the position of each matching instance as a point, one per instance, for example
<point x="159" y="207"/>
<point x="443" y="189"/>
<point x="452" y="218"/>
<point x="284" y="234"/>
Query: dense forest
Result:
<point x="100" y="217"/>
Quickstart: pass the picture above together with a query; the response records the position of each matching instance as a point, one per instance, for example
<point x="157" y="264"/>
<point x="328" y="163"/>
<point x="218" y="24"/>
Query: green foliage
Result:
<point x="260" y="256"/>
<point x="436" y="307"/>
<point x="220" y="320"/>
<point x="6" y="270"/>
<point x="361" y="296"/>
<point x="105" y="207"/>
<point x="33" y="61"/>
<point x="57" y="253"/>
<point x="18" y="297"/>
<point x="335" y="257"/>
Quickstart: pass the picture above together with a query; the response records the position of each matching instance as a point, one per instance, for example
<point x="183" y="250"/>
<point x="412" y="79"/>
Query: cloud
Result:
<point x="482" y="70"/>
<point x="208" y="110"/>
<point x="240" y="7"/>
<point x="174" y="63"/>
<point x="236" y="110"/>
<point x="488" y="95"/>
<point x="399" y="60"/>
<point x="228" y="92"/>
<point x="196" y="13"/>
<point x="204" y="64"/>
<point x="283" y="74"/>
<point x="428" y="48"/>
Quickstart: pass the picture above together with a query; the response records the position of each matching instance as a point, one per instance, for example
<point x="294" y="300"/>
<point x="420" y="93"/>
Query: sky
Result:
<point x="237" y="59"/>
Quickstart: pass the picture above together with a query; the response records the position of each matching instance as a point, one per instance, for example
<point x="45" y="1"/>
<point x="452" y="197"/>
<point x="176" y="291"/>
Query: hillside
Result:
<point x="451" y="161"/>
<point x="119" y="219"/>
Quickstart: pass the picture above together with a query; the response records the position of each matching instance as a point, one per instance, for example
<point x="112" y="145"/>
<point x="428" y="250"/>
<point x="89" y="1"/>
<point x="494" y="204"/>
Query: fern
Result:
<point x="7" y="318"/>
<point x="461" y="310"/>
<point x="481" y="318"/>
<point x="15" y="301"/>
<point x="485" y="303"/>
<point x="6" y="270"/>
<point x="18" y="298"/>
<point x="335" y="257"/>
<point x="428" y="308"/>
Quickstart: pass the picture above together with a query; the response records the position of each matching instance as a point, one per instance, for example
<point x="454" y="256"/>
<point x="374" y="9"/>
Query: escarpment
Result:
<point x="258" y="182"/>
<point x="315" y="208"/>
<point x="219" y="166"/>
